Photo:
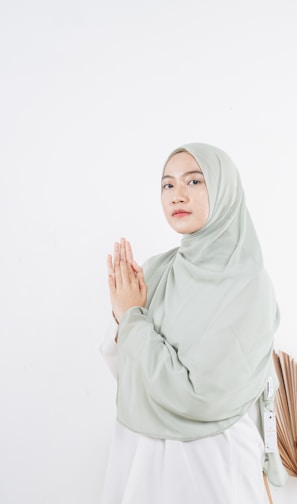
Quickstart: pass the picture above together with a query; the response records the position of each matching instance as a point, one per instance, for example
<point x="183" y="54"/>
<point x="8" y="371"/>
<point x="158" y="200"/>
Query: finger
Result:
<point x="110" y="265"/>
<point x="111" y="275"/>
<point x="111" y="284"/>
<point x="110" y="270"/>
<point x="129" y="253"/>
<point x="118" y="274"/>
<point x="139" y="275"/>
<point x="116" y="253"/>
<point x="136" y="267"/>
<point x="123" y="250"/>
<point x="127" y="273"/>
<point x="140" y="278"/>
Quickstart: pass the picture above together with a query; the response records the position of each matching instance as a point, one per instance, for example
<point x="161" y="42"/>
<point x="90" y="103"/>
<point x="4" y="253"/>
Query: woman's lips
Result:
<point x="180" y="213"/>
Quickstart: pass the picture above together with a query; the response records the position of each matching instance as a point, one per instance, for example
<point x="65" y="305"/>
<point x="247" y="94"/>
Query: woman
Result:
<point x="192" y="351"/>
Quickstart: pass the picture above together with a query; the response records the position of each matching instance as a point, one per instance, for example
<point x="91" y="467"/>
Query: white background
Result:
<point x="94" y="96"/>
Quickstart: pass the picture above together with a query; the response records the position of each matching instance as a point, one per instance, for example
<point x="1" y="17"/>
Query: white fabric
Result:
<point x="223" y="469"/>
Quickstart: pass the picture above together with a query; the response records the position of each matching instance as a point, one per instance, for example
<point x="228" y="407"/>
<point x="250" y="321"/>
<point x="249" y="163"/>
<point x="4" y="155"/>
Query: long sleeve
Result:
<point x="164" y="391"/>
<point x="108" y="347"/>
<point x="142" y="348"/>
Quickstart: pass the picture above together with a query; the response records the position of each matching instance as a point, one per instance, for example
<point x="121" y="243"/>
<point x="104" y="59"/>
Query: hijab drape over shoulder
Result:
<point x="198" y="355"/>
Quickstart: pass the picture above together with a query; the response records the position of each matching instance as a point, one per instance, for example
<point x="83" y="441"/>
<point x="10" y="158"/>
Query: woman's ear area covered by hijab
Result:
<point x="184" y="196"/>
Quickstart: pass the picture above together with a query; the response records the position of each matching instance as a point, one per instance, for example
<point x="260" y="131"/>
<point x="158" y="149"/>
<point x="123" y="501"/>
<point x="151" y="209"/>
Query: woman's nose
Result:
<point x="179" y="195"/>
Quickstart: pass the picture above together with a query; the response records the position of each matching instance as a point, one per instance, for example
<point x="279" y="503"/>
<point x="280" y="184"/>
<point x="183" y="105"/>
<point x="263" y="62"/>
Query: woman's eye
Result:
<point x="194" y="182"/>
<point x="167" y="186"/>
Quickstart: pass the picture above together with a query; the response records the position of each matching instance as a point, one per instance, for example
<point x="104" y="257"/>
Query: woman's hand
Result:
<point x="125" y="279"/>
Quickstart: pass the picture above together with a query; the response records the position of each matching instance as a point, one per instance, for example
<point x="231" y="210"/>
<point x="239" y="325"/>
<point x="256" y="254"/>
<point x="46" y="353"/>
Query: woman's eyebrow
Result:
<point x="184" y="174"/>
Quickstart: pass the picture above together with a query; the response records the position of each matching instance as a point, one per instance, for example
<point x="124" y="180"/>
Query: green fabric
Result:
<point x="194" y="360"/>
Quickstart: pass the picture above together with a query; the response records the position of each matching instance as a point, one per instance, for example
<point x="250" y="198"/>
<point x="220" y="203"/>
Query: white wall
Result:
<point x="94" y="95"/>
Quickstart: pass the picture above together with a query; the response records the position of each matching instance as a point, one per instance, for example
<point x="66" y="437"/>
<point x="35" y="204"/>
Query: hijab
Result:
<point x="193" y="361"/>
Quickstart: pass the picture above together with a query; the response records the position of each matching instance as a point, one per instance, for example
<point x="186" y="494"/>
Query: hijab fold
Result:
<point x="194" y="360"/>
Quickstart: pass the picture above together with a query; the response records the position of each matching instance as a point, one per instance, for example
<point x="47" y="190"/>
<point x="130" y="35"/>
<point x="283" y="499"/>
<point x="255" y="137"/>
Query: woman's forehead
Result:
<point x="181" y="162"/>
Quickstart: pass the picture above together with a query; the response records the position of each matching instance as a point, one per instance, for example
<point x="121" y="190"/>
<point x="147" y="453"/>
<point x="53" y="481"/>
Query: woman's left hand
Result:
<point x="125" y="279"/>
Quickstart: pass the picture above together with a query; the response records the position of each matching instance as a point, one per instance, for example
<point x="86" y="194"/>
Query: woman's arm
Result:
<point x="201" y="384"/>
<point x="127" y="289"/>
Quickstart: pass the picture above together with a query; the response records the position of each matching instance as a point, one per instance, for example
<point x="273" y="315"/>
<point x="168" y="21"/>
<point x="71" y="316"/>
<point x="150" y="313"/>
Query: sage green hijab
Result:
<point x="194" y="360"/>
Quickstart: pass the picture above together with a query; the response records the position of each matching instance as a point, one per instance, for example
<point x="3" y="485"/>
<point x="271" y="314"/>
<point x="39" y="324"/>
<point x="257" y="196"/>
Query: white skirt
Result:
<point x="223" y="469"/>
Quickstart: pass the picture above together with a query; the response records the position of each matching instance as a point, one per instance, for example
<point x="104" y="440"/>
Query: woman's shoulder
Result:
<point x="157" y="260"/>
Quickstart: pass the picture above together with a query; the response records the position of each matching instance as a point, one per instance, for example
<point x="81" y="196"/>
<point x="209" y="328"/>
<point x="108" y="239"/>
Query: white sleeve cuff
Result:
<point x="108" y="347"/>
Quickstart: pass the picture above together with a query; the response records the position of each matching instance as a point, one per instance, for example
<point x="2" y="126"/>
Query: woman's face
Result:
<point x="184" y="194"/>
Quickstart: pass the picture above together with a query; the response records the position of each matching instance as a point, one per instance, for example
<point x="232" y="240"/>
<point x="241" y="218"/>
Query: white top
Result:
<point x="222" y="469"/>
